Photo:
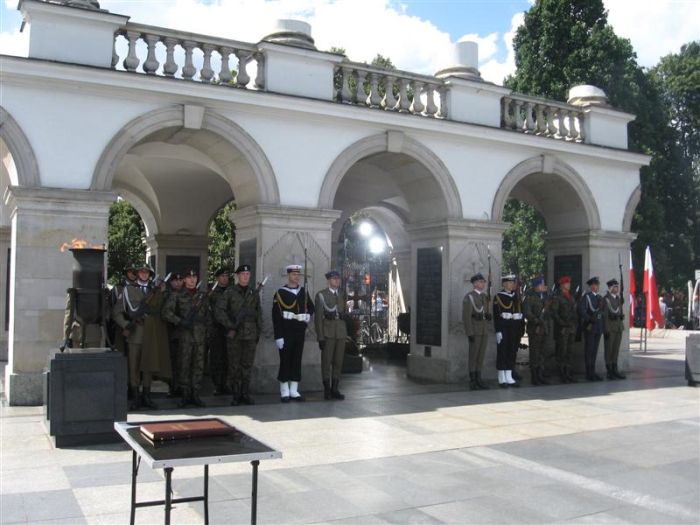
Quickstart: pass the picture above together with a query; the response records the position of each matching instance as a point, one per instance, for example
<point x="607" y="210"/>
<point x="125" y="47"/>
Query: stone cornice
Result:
<point x="167" y="90"/>
<point x="284" y="217"/>
<point x="457" y="229"/>
<point x="49" y="198"/>
<point x="597" y="238"/>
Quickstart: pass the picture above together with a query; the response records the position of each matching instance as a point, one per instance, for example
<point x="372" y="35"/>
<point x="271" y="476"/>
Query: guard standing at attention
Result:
<point x="218" y="366"/>
<point x="331" y="332"/>
<point x="613" y="326"/>
<point x="475" y="316"/>
<point x="509" y="325"/>
<point x="536" y="311"/>
<point x="591" y="317"/>
<point x="564" y="316"/>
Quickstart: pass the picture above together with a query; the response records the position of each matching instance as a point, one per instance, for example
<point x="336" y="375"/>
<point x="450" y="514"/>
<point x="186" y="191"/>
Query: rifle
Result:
<point x="188" y="320"/>
<point x="306" y="291"/>
<point x="579" y="323"/>
<point x="622" y="281"/>
<point x="489" y="285"/>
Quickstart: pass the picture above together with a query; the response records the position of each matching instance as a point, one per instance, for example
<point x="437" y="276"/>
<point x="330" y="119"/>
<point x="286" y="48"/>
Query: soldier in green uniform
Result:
<point x="476" y="316"/>
<point x="613" y="326"/>
<point x="536" y="311"/>
<point x="563" y="311"/>
<point x="189" y="311"/>
<point x="331" y="332"/>
<point x="218" y="366"/>
<point x="174" y="286"/>
<point x="115" y="333"/>
<point x="238" y="310"/>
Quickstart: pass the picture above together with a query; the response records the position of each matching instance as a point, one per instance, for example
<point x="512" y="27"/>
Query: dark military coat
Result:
<point x="536" y="308"/>
<point x="563" y="311"/>
<point x="590" y="312"/>
<point x="287" y="310"/>
<point x="189" y="311"/>
<point x="507" y="316"/>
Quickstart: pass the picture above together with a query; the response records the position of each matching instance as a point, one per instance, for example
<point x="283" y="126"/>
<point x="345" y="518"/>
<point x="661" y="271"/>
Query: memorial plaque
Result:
<point x="569" y="265"/>
<point x="429" y="297"/>
<point x="182" y="263"/>
<point x="247" y="255"/>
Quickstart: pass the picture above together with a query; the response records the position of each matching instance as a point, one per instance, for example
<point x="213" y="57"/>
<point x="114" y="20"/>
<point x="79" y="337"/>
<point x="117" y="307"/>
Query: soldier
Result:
<point x="613" y="326"/>
<point x="115" y="333"/>
<point x="238" y="311"/>
<point x="536" y="311"/>
<point x="291" y="312"/>
<point x="189" y="311"/>
<point x="476" y="315"/>
<point x="332" y="333"/>
<point x="591" y="318"/>
<point x="563" y="311"/>
<point x="508" y="324"/>
<point x="218" y="366"/>
<point x="129" y="314"/>
<point x="174" y="286"/>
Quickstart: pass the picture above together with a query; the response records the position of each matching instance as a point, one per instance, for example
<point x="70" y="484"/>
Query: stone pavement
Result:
<point x="396" y="451"/>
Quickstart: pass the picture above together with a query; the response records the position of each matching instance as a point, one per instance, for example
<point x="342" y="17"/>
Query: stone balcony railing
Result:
<point x="188" y="56"/>
<point x="538" y="116"/>
<point x="391" y="90"/>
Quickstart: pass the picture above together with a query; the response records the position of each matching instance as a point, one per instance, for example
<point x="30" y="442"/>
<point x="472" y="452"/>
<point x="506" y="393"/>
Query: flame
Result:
<point x="80" y="244"/>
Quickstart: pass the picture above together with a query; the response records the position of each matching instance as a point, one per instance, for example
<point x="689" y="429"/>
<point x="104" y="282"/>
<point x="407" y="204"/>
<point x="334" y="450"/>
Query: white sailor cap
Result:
<point x="508" y="277"/>
<point x="293" y="268"/>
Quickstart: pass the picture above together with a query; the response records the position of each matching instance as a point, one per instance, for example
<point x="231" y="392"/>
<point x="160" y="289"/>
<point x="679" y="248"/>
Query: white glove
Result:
<point x="280" y="343"/>
<point x="499" y="338"/>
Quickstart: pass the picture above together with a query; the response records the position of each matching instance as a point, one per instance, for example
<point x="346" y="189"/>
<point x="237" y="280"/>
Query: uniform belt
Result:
<point x="478" y="317"/>
<point x="304" y="318"/>
<point x="507" y="315"/>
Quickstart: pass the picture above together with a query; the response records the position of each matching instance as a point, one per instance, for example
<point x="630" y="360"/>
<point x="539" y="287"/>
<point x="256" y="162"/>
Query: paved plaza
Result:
<point x="396" y="451"/>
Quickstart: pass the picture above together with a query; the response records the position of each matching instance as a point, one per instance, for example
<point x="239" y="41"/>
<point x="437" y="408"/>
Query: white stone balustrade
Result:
<point x="542" y="117"/>
<point x="391" y="90"/>
<point x="163" y="52"/>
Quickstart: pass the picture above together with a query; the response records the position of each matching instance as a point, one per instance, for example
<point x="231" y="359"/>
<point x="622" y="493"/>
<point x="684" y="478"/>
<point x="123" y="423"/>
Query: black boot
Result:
<point x="563" y="376"/>
<point x="335" y="393"/>
<point x="617" y="373"/>
<point x="515" y="375"/>
<point x="195" y="399"/>
<point x="135" y="402"/>
<point x="185" y="399"/>
<point x="326" y="389"/>
<point x="146" y="399"/>
<point x="235" y="395"/>
<point x="472" y="381"/>
<point x="245" y="398"/>
<point x="534" y="377"/>
<point x="540" y="376"/>
<point x="479" y="382"/>
<point x="570" y="375"/>
<point x="609" y="374"/>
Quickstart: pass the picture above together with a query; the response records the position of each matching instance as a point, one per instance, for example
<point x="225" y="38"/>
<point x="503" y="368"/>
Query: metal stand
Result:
<point x="254" y="498"/>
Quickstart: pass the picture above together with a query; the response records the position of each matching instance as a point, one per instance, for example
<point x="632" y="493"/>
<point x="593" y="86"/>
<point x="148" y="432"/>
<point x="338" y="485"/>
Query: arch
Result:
<point x="630" y="208"/>
<point x="172" y="117"/>
<point x="548" y="165"/>
<point x="142" y="208"/>
<point x="393" y="142"/>
<point x="26" y="166"/>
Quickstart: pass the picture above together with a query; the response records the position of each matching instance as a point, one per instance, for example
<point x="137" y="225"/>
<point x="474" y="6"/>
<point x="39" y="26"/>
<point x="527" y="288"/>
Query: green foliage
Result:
<point x="523" y="242"/>
<point x="222" y="240"/>
<point x="125" y="240"/>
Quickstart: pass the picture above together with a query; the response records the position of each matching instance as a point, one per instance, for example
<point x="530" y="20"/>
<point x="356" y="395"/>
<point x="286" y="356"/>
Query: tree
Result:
<point x="126" y="239"/>
<point x="222" y="240"/>
<point x="523" y="242"/>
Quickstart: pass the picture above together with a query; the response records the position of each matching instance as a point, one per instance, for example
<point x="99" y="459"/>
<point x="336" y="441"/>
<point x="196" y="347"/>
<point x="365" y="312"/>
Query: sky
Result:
<point x="416" y="35"/>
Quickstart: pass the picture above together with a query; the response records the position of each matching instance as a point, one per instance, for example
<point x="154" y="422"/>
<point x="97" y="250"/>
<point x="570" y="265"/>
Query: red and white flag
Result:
<point x="651" y="294"/>
<point x="633" y="292"/>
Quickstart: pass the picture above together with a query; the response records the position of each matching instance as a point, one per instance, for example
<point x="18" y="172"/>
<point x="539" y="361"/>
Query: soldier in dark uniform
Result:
<point x="291" y="312"/>
<point x="331" y="332"/>
<point x="174" y="286"/>
<point x="508" y="325"/>
<point x="218" y="366"/>
<point x="189" y="311"/>
<point x="563" y="311"/>
<point x="238" y="311"/>
<point x="613" y="326"/>
<point x="591" y="317"/>
<point x="115" y="333"/>
<point x="475" y="316"/>
<point x="536" y="311"/>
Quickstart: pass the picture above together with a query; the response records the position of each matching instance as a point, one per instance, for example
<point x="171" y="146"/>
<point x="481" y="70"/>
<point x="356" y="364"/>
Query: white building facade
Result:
<point x="301" y="139"/>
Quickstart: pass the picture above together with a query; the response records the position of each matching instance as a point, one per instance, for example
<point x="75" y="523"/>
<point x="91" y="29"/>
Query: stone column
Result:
<point x="42" y="220"/>
<point x="5" y="234"/>
<point x="403" y="263"/>
<point x="278" y="235"/>
<point x="463" y="246"/>
<point x="172" y="245"/>
<point x="600" y="252"/>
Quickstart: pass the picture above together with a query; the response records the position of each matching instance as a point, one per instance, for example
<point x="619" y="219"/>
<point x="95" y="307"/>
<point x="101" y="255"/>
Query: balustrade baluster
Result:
<point x="443" y="111"/>
<point x="518" y="114"/>
<point x="115" y="56"/>
<point x="529" y="117"/>
<point x="563" y="132"/>
<point x="430" y="107"/>
<point x="242" y="78"/>
<point x="374" y="98"/>
<point x="260" y="75"/>
<point x="360" y="88"/>
<point x="188" y="70"/>
<point x="150" y="66"/>
<point x="206" y="73"/>
<point x="552" y="119"/>
<point x="170" y="67"/>
<point x="581" y="133"/>
<point x="131" y="62"/>
<point x="345" y="91"/>
<point x="573" y="133"/>
<point x="389" y="102"/>
<point x="225" y="75"/>
<point x="540" y="120"/>
<point x="404" y="103"/>
<point x="417" y="106"/>
<point x="506" y="121"/>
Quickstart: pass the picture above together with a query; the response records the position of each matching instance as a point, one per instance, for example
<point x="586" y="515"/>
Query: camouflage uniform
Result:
<point x="537" y="315"/>
<point x="238" y="310"/>
<point x="564" y="316"/>
<point x="218" y="362"/>
<point x="189" y="311"/>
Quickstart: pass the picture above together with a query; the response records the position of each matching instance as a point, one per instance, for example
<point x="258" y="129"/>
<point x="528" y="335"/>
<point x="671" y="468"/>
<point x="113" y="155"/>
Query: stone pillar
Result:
<point x="403" y="263"/>
<point x="42" y="220"/>
<point x="600" y="252"/>
<point x="463" y="248"/>
<point x="172" y="245"/>
<point x="278" y="235"/>
<point x="5" y="234"/>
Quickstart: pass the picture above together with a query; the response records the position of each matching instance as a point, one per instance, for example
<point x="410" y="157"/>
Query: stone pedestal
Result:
<point x="464" y="246"/>
<point x="42" y="220"/>
<point x="85" y="395"/>
<point x="278" y="236"/>
<point x="692" y="359"/>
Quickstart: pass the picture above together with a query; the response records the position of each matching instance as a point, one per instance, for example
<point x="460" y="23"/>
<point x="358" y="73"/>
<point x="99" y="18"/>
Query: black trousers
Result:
<point x="290" y="358"/>
<point x="507" y="350"/>
<point x="591" y="342"/>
